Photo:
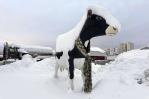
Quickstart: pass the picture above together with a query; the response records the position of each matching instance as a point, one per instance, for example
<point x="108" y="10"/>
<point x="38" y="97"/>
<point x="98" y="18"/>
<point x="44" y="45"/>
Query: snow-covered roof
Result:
<point x="32" y="48"/>
<point x="97" y="49"/>
<point x="66" y="41"/>
<point x="22" y="50"/>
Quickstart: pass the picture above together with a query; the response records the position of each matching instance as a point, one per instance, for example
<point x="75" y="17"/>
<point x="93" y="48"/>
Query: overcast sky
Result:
<point x="41" y="21"/>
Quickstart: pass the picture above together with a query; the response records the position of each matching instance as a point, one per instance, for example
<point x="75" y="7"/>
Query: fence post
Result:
<point x="87" y="71"/>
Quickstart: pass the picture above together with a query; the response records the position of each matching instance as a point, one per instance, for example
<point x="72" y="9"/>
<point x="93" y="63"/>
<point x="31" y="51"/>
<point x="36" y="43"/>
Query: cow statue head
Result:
<point x="99" y="23"/>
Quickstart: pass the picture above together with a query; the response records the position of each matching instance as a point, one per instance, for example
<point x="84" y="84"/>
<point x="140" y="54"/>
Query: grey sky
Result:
<point x="41" y="21"/>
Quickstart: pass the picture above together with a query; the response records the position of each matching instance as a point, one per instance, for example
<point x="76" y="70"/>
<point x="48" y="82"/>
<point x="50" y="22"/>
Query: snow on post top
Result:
<point x="66" y="41"/>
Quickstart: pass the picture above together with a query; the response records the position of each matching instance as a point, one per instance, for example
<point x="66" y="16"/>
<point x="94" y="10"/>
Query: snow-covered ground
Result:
<point x="28" y="79"/>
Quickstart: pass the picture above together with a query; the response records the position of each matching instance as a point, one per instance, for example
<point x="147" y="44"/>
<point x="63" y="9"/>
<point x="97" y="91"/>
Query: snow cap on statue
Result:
<point x="101" y="11"/>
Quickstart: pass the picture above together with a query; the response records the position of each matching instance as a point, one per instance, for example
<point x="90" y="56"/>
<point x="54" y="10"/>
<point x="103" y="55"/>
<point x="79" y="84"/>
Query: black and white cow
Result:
<point x="96" y="22"/>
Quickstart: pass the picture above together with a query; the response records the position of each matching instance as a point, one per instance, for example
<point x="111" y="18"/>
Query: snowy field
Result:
<point x="28" y="79"/>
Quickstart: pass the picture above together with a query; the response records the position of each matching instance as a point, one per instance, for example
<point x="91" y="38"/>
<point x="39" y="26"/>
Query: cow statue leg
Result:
<point x="56" y="70"/>
<point x="71" y="72"/>
<point x="83" y="79"/>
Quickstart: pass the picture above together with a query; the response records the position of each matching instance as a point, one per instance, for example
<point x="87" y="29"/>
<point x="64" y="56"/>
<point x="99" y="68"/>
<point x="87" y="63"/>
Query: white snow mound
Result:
<point x="28" y="79"/>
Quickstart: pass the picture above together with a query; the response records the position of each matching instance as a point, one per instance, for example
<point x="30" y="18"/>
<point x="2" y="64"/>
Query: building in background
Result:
<point x="129" y="46"/>
<point x="123" y="47"/>
<point x="116" y="51"/>
<point x="107" y="51"/>
<point x="110" y="51"/>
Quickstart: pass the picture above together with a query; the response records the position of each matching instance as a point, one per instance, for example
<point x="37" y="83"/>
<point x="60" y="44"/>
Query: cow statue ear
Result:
<point x="89" y="13"/>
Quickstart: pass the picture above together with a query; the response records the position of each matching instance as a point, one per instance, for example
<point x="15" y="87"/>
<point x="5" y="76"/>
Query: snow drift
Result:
<point x="28" y="79"/>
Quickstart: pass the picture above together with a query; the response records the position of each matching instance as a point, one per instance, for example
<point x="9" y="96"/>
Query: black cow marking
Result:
<point x="59" y="54"/>
<point x="94" y="26"/>
<point x="71" y="68"/>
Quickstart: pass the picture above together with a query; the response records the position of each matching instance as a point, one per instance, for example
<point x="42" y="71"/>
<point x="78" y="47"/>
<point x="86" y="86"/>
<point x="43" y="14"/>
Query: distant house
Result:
<point x="144" y="48"/>
<point x="98" y="54"/>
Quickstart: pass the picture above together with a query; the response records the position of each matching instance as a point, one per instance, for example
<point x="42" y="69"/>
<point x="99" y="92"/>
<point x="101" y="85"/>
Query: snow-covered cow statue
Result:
<point x="96" y="21"/>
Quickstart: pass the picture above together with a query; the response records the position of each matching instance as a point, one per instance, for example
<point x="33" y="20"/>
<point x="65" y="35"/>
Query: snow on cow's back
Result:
<point x="65" y="41"/>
